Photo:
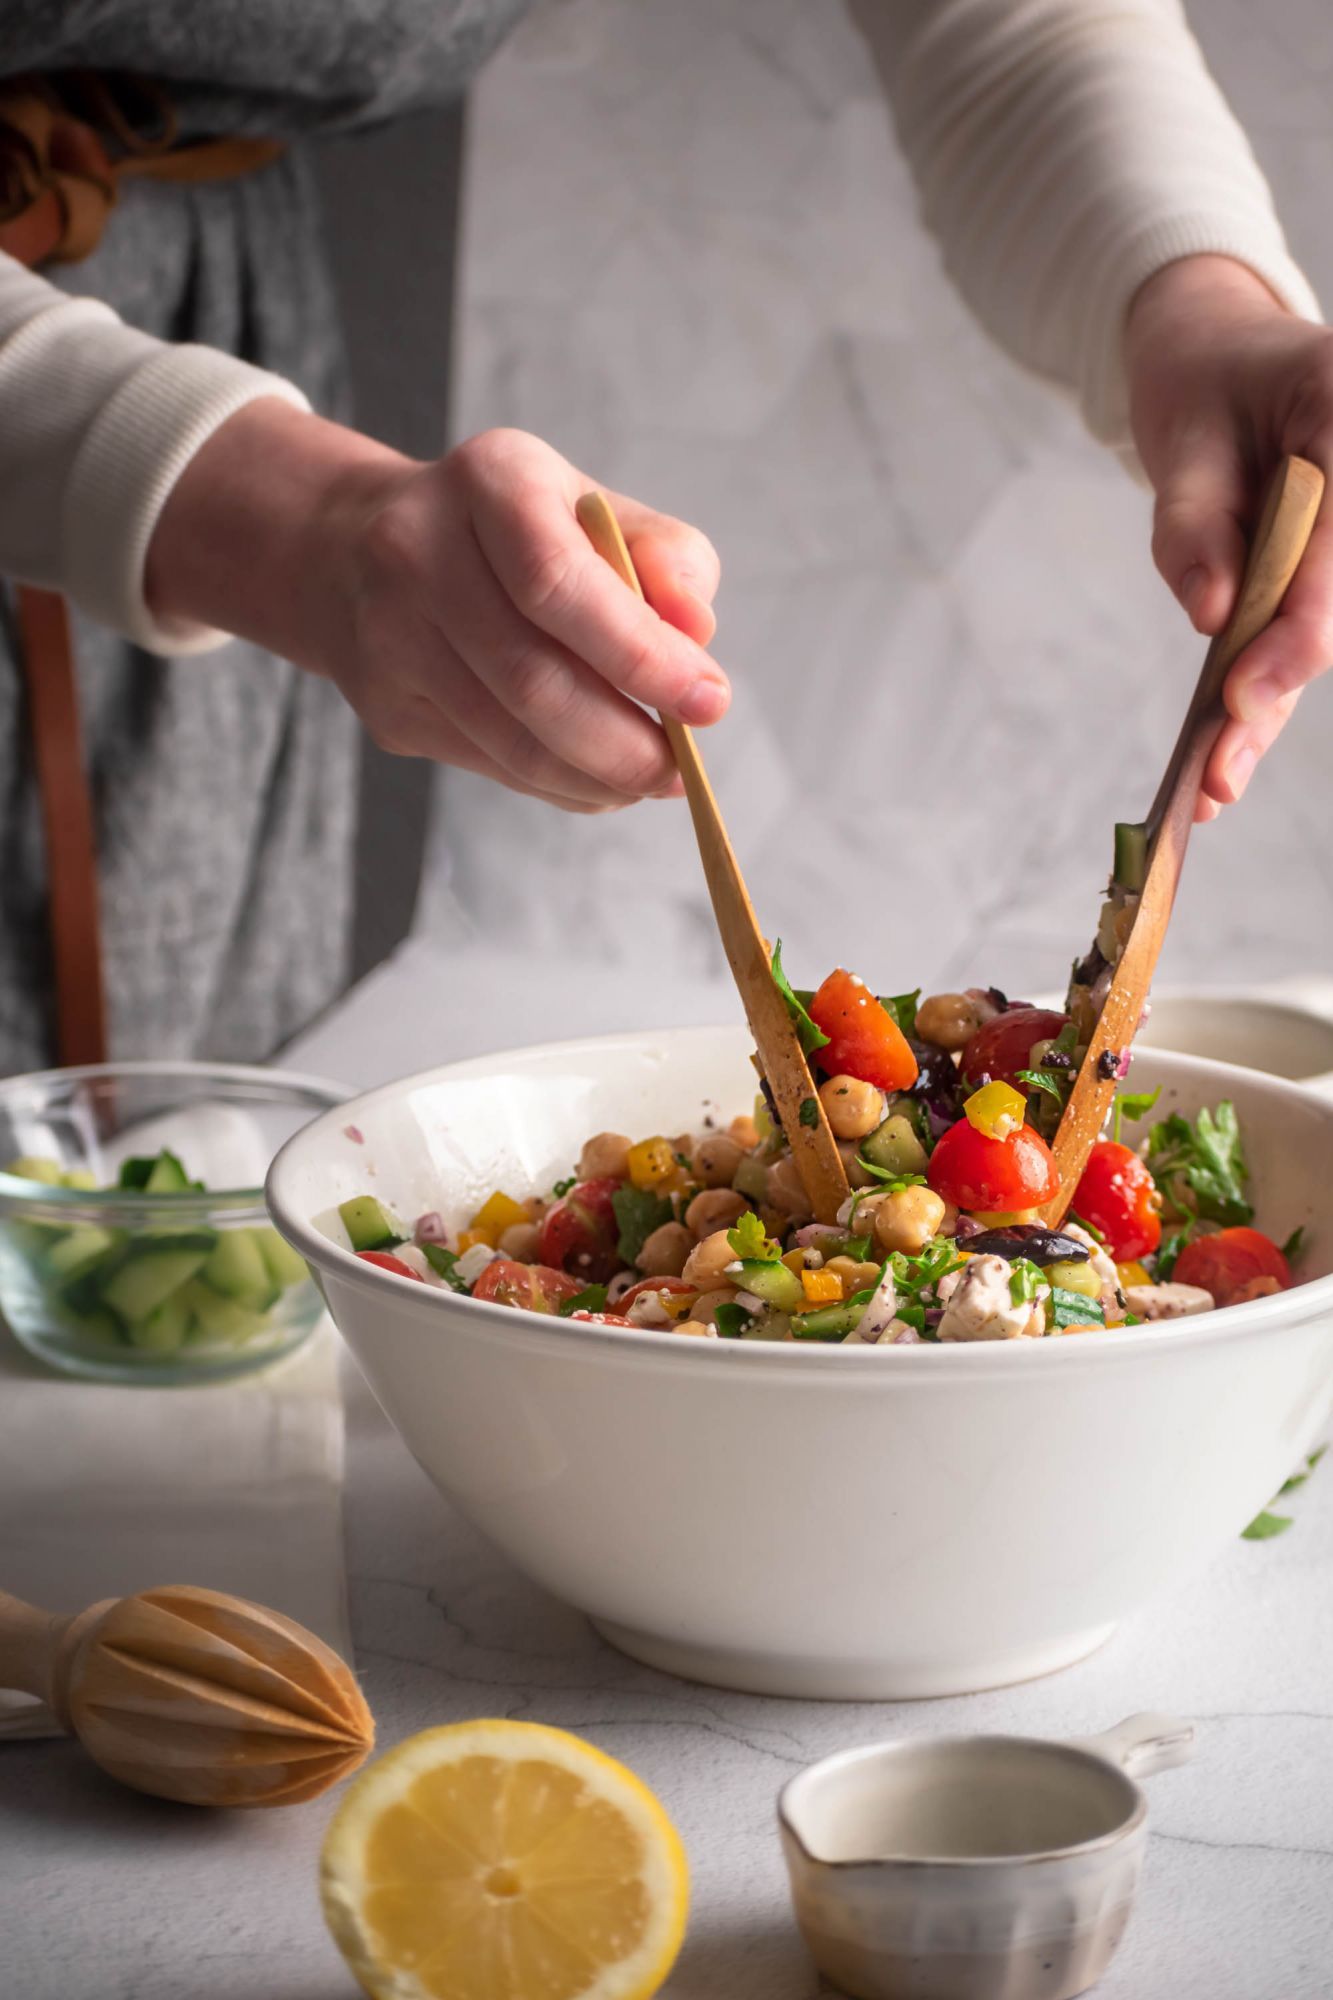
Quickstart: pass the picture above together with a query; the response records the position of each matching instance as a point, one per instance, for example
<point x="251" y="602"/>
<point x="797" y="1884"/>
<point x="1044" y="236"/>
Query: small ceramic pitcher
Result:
<point x="973" y="1867"/>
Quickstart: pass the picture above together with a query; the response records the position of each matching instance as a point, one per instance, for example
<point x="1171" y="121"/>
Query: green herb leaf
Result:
<point x="1097" y="1235"/>
<point x="857" y="1248"/>
<point x="1025" y="1280"/>
<point x="1299" y="1478"/>
<point x="561" y="1188"/>
<point x="1073" y="1309"/>
<point x="809" y="1036"/>
<point x="891" y="1180"/>
<point x="809" y="1112"/>
<point x="751" y="1241"/>
<point x="1294" y="1244"/>
<point x="1041" y="1079"/>
<point x="1132" y="1104"/>
<point x="1201" y="1167"/>
<point x="442" y="1262"/>
<point x="731" y="1320"/>
<point x="1264" y="1526"/>
<point x="638" y="1212"/>
<point x="592" y="1299"/>
<point x="903" y="1008"/>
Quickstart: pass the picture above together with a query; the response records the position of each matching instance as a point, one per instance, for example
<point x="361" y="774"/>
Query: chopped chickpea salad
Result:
<point x="939" y="1108"/>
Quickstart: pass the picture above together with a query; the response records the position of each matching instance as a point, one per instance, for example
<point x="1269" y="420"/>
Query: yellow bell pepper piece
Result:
<point x="469" y="1239"/>
<point x="651" y="1162"/>
<point x="1002" y="1218"/>
<point x="1133" y="1273"/>
<point x="794" y="1260"/>
<point x="821" y="1288"/>
<point x="496" y="1214"/>
<point x="996" y="1110"/>
<point x="1072" y="1277"/>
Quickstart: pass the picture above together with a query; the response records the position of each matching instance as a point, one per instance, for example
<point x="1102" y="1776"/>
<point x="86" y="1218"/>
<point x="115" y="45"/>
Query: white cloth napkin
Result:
<point x="235" y="1486"/>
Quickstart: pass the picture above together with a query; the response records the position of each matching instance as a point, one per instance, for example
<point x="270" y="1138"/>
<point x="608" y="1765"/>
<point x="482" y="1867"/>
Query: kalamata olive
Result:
<point x="1030" y="1240"/>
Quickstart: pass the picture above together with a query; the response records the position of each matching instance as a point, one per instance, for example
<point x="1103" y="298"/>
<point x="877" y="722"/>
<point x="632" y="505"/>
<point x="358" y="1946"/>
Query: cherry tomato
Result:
<point x="580" y="1232"/>
<point x="1224" y="1264"/>
<point x="1005" y="1045"/>
<point x="864" y="1039"/>
<point x="387" y="1262"/>
<point x="993" y="1175"/>
<point x="655" y="1285"/>
<point x="534" y="1286"/>
<point x="1119" y="1196"/>
<point x="605" y="1319"/>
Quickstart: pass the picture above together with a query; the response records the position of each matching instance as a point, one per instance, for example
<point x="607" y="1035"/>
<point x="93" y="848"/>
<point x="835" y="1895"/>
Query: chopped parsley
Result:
<point x="903" y="1008"/>
<point x="1294" y="1244"/>
<point x="731" y="1320"/>
<point x="1266" y="1525"/>
<point x="592" y="1299"/>
<point x="1073" y="1309"/>
<point x="1025" y="1281"/>
<point x="810" y="1037"/>
<point x="809" y="1112"/>
<point x="561" y="1188"/>
<point x="1041" y="1079"/>
<point x="1201" y="1167"/>
<point x="894" y="1182"/>
<point x="1132" y="1104"/>
<point x="751" y="1241"/>
<point x="638" y="1212"/>
<point x="442" y="1262"/>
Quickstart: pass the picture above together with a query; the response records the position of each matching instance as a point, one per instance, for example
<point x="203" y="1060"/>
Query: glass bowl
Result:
<point x="148" y="1284"/>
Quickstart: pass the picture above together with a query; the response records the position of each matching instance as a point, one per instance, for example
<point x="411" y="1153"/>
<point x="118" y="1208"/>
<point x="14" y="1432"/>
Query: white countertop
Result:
<point x="107" y="1896"/>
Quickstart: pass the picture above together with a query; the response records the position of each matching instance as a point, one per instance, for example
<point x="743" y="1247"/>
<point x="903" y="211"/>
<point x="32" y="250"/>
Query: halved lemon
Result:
<point x="504" y="1861"/>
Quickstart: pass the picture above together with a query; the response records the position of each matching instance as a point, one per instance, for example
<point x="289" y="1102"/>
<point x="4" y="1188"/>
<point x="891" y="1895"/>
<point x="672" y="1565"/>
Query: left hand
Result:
<point x="1223" y="382"/>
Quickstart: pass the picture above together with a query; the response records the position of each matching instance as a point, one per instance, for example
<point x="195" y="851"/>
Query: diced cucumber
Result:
<point x="165" y="1327"/>
<point x="827" y="1322"/>
<point x="285" y="1267"/>
<point x="773" y="1283"/>
<point x="167" y="1176"/>
<point x="1074" y="1277"/>
<point x="219" y="1319"/>
<point x="79" y="1177"/>
<point x="236" y="1267"/>
<point x="1131" y="855"/>
<point x="369" y="1224"/>
<point x="894" y="1146"/>
<point x="751" y="1179"/>
<point x="29" y="1167"/>
<point x="154" y="1267"/>
<point x="97" y="1328"/>
<point x="83" y="1247"/>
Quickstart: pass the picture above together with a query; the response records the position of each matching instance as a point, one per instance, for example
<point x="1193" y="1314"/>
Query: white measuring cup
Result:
<point x="973" y="1867"/>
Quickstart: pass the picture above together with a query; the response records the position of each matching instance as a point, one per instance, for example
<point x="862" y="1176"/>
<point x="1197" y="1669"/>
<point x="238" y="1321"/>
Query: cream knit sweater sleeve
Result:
<point x="1064" y="150"/>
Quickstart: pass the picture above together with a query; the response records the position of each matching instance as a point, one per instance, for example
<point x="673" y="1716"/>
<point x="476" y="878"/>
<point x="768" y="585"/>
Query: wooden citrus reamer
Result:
<point x="804" y="1120"/>
<point x="193" y="1695"/>
<point x="1286" y="521"/>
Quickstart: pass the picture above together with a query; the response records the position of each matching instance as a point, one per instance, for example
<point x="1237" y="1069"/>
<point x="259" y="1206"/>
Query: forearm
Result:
<point x="1064" y="153"/>
<point x="97" y="423"/>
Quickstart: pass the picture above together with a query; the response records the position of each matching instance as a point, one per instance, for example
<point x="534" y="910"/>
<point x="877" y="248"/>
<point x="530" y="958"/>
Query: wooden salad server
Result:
<point x="804" y="1120"/>
<point x="193" y="1695"/>
<point x="1291" y="506"/>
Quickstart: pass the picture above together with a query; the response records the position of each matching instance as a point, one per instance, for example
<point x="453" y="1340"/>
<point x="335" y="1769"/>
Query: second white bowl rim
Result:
<point x="1204" y="1329"/>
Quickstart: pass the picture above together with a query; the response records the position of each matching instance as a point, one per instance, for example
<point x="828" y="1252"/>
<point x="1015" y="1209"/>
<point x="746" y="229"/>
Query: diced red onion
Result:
<point x="881" y="1310"/>
<point x="750" y="1302"/>
<point x="430" y="1228"/>
<point x="815" y="1235"/>
<point x="355" y="1134"/>
<point x="907" y="1338"/>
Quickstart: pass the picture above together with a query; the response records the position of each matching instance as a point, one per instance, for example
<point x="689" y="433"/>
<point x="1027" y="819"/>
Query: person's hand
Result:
<point x="457" y="605"/>
<point x="1223" y="382"/>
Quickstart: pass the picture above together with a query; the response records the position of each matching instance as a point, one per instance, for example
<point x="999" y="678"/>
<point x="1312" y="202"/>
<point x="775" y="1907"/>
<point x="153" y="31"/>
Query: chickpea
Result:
<point x="857" y="1176"/>
<point x="698" y="1327"/>
<point x="715" y="1208"/>
<point x="520" y="1241"/>
<point x="745" y="1132"/>
<point x="707" y="1263"/>
<point x="605" y="1157"/>
<point x="855" y="1277"/>
<point x="949" y="1020"/>
<point x="715" y="1160"/>
<point x="664" y="1252"/>
<point x="907" y="1218"/>
<point x="854" y="1108"/>
<point x="785" y="1192"/>
<point x="705" y="1307"/>
<point x="863" y="1222"/>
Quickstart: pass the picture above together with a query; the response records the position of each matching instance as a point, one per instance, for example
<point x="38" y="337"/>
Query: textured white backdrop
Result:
<point x="691" y="261"/>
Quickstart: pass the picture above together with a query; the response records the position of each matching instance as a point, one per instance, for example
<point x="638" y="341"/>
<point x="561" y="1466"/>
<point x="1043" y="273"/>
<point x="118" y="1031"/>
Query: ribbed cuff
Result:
<point x="1104" y="388"/>
<point x="134" y="452"/>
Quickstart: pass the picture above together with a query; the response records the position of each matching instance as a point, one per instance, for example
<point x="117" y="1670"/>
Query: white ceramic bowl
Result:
<point x="843" y="1522"/>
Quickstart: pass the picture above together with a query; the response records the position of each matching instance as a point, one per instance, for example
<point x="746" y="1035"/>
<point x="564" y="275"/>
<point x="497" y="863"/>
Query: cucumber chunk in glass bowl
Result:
<point x="135" y="1246"/>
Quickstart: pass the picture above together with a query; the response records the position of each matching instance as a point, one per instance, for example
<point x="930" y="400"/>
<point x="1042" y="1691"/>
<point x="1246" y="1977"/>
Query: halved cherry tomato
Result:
<point x="1005" y="1045"/>
<point x="580" y="1232"/>
<point x="388" y="1262"/>
<point x="654" y="1285"/>
<point x="606" y="1319"/>
<point x="976" y="1172"/>
<point x="1224" y="1264"/>
<point x="536" y="1287"/>
<point x="1119" y="1196"/>
<point x="864" y="1039"/>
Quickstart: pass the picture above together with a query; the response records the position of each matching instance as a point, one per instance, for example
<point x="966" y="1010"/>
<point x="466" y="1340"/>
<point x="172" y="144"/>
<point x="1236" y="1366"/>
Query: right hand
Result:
<point x="458" y="605"/>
